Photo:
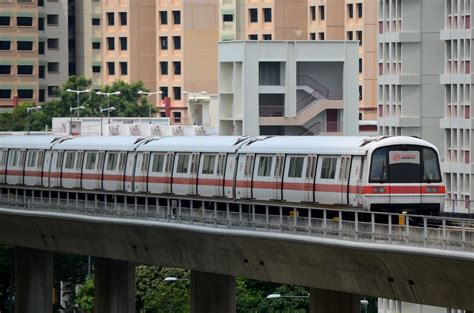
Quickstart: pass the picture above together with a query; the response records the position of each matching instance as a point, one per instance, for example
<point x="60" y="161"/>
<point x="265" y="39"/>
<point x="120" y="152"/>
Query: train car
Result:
<point x="378" y="173"/>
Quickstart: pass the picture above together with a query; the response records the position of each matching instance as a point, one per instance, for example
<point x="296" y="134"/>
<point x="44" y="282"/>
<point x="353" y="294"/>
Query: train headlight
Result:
<point x="431" y="189"/>
<point x="379" y="189"/>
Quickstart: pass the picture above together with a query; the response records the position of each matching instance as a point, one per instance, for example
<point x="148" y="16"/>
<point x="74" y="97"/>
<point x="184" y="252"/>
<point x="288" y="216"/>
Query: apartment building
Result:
<point x="186" y="52"/>
<point x="33" y="49"/>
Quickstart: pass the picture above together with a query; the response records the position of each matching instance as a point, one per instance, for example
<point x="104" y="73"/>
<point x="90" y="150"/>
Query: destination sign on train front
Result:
<point x="397" y="157"/>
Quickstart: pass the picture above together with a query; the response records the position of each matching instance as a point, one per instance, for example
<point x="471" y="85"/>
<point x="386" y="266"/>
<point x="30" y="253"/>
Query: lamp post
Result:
<point x="108" y="94"/>
<point x="108" y="110"/>
<point x="149" y="94"/>
<point x="171" y="279"/>
<point x="277" y="295"/>
<point x="194" y="95"/>
<point x="36" y="108"/>
<point x="78" y="106"/>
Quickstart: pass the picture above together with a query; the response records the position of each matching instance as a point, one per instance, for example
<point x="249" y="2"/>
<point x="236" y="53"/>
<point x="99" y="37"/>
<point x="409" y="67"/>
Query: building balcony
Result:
<point x="404" y="79"/>
<point x="402" y="36"/>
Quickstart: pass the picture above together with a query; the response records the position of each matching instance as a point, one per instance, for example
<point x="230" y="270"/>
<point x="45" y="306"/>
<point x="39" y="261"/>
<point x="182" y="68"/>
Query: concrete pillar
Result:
<point x="212" y="293"/>
<point x="33" y="281"/>
<point x="328" y="301"/>
<point x="114" y="286"/>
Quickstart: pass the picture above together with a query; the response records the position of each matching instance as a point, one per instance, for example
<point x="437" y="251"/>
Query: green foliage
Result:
<point x="155" y="295"/>
<point x="85" y="297"/>
<point x="7" y="255"/>
<point x="70" y="268"/>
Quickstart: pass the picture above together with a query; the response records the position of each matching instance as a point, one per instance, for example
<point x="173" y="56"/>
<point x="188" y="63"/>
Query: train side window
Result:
<point x="342" y="172"/>
<point x="220" y="164"/>
<point x="59" y="160"/>
<point x="80" y="159"/>
<point x="328" y="168"/>
<point x="91" y="160"/>
<point x="112" y="161"/>
<point x="295" y="169"/>
<point x="3" y="155"/>
<point x="208" y="164"/>
<point x="40" y="159"/>
<point x="169" y="162"/>
<point x="123" y="159"/>
<point x="183" y="164"/>
<point x="265" y="166"/>
<point x="70" y="160"/>
<point x="158" y="162"/>
<point x="430" y="166"/>
<point x="378" y="167"/>
<point x="13" y="161"/>
<point x="31" y="158"/>
<point x="145" y="162"/>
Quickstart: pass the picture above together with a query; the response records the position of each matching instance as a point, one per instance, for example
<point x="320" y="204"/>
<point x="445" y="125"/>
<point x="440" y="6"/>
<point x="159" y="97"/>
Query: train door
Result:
<point x="141" y="171"/>
<point x="3" y="165"/>
<point x="297" y="180"/>
<point x="182" y="176"/>
<point x="47" y="167"/>
<point x="33" y="167"/>
<point x="278" y="172"/>
<point x="229" y="175"/>
<point x="243" y="182"/>
<point x="404" y="174"/>
<point x="92" y="170"/>
<point x="344" y="173"/>
<point x="114" y="171"/>
<point x="71" y="170"/>
<point x="16" y="159"/>
<point x="130" y="171"/>
<point x="210" y="181"/>
<point x="355" y="181"/>
<point x="264" y="178"/>
<point x="158" y="176"/>
<point x="56" y="166"/>
<point x="327" y="187"/>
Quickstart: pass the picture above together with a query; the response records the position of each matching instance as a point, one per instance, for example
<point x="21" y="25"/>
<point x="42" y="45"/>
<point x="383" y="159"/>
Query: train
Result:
<point x="393" y="174"/>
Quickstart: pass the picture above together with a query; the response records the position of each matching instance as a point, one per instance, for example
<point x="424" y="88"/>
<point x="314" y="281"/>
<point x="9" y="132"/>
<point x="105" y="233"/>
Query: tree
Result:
<point x="85" y="297"/>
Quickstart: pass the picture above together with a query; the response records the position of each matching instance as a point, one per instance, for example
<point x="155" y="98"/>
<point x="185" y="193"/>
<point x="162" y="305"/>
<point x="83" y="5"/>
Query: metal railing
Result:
<point x="271" y="110"/>
<point x="352" y="225"/>
<point x="322" y="127"/>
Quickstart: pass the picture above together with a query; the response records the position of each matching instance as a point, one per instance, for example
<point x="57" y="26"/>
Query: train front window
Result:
<point x="378" y="168"/>
<point x="430" y="166"/>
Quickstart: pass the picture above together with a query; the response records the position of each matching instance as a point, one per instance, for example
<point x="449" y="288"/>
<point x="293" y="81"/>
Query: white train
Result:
<point x="378" y="173"/>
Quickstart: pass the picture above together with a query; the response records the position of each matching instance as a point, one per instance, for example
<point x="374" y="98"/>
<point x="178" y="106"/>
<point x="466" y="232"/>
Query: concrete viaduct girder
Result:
<point x="420" y="275"/>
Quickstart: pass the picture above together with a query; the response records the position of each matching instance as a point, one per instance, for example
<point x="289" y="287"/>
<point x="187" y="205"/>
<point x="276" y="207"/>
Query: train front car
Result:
<point x="404" y="176"/>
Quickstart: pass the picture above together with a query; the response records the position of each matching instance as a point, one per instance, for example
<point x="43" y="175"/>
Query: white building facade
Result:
<point x="288" y="88"/>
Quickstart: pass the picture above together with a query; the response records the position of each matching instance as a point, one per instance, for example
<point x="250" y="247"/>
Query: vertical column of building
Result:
<point x="115" y="36"/>
<point x="19" y="69"/>
<point x="457" y="82"/>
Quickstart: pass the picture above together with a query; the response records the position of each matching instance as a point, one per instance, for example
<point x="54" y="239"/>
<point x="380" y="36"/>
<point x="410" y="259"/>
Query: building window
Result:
<point x="312" y="10"/>
<point x="360" y="92"/>
<point x="41" y="23"/>
<point x="269" y="74"/>
<point x="110" y="43"/>
<point x="5" y="93"/>
<point x="42" y="95"/>
<point x="96" y="21"/>
<point x="24" y="21"/>
<point x="228" y="18"/>
<point x="312" y="36"/>
<point x="4" y="21"/>
<point x="267" y="37"/>
<point x="111" y="68"/>
<point x="96" y="69"/>
<point x="267" y="15"/>
<point x="53" y="43"/>
<point x="253" y="14"/>
<point x="164" y="43"/>
<point x="164" y="68"/>
<point x="25" y="93"/>
<point x="41" y="3"/>
<point x="24" y="45"/>
<point x="5" y="69"/>
<point x="350" y="10"/>
<point x="52" y="19"/>
<point x="41" y="48"/>
<point x="321" y="12"/>
<point x="41" y="71"/>
<point x="177" y="42"/>
<point x="163" y="17"/>
<point x="123" y="43"/>
<point x="349" y="35"/>
<point x="360" y="65"/>
<point x="164" y="92"/>
<point x="253" y="37"/>
<point x="177" y="17"/>
<point x="53" y="67"/>
<point x="123" y="18"/>
<point x="123" y="68"/>
<point x="177" y="117"/>
<point x="359" y="10"/>
<point x="359" y="37"/>
<point x="177" y="93"/>
<point x="177" y="68"/>
<point x="110" y="19"/>
<point x="5" y="45"/>
<point x="321" y="36"/>
<point x="25" y="69"/>
<point x="96" y="45"/>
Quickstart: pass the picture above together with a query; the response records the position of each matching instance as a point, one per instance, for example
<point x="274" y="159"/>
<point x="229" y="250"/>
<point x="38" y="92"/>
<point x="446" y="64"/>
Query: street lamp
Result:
<point x="108" y="110"/>
<point x="364" y="303"/>
<point x="277" y="295"/>
<point x="108" y="94"/>
<point x="194" y="95"/>
<point x="149" y="94"/>
<point x="78" y="106"/>
<point x="171" y="279"/>
<point x="36" y="108"/>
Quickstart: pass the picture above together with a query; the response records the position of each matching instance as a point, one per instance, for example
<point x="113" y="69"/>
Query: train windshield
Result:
<point x="404" y="164"/>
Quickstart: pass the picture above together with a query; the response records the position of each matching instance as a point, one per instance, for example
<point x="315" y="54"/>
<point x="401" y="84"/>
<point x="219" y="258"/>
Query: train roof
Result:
<point x="28" y="142"/>
<point x="215" y="144"/>
<point x="100" y="143"/>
